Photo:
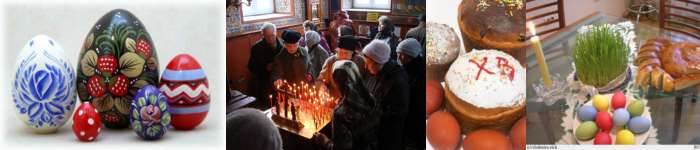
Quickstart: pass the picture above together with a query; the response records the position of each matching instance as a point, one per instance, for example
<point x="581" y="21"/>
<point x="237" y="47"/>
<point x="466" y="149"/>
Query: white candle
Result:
<point x="537" y="47"/>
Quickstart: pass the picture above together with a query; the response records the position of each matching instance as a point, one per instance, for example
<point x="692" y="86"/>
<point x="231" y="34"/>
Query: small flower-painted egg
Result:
<point x="618" y="100"/>
<point x="586" y="113"/>
<point x="639" y="124"/>
<point x="86" y="122"/>
<point x="604" y="121"/>
<point x="586" y="130"/>
<point x="602" y="138"/>
<point x="149" y="113"/>
<point x="620" y="117"/>
<point x="624" y="137"/>
<point x="601" y="103"/>
<point x="187" y="89"/>
<point x="117" y="58"/>
<point x="42" y="89"/>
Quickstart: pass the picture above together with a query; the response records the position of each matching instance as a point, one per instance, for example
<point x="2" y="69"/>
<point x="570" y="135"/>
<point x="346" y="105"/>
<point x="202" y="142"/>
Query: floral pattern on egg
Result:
<point x="42" y="87"/>
<point x="117" y="58"/>
<point x="149" y="113"/>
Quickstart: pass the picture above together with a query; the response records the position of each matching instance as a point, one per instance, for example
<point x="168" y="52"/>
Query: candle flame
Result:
<point x="531" y="27"/>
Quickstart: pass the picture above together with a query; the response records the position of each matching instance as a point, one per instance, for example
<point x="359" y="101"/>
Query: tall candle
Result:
<point x="537" y="47"/>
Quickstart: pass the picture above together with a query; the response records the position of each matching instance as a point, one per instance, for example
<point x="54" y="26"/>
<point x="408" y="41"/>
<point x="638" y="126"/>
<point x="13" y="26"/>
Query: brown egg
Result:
<point x="443" y="131"/>
<point x="433" y="96"/>
<point x="517" y="134"/>
<point x="487" y="139"/>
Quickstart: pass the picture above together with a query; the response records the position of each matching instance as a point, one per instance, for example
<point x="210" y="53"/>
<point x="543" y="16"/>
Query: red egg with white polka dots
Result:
<point x="86" y="122"/>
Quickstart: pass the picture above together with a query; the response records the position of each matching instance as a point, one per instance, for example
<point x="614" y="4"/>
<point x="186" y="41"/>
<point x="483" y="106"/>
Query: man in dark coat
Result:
<point x="292" y="64"/>
<point x="409" y="51"/>
<point x="388" y="82"/>
<point x="260" y="63"/>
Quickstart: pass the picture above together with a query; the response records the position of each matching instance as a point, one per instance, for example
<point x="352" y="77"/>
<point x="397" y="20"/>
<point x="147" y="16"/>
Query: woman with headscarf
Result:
<point x="317" y="54"/>
<point x="386" y="35"/>
<point x="356" y="118"/>
<point x="311" y="26"/>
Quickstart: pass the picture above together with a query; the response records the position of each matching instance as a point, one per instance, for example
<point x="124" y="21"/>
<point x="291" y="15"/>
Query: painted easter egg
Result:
<point x="620" y="117"/>
<point x="42" y="90"/>
<point x="86" y="122"/>
<point x="639" y="125"/>
<point x="618" y="100"/>
<point x="187" y="89"/>
<point x="149" y="113"/>
<point x="604" y="121"/>
<point x="117" y="58"/>
<point x="587" y="113"/>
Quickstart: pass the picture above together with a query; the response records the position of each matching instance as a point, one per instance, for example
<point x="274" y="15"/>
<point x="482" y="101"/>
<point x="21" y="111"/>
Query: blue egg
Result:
<point x="620" y="117"/>
<point x="587" y="113"/>
<point x="639" y="125"/>
<point x="150" y="116"/>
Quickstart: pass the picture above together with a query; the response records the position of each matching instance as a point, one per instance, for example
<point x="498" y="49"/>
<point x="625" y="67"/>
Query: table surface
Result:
<point x="673" y="116"/>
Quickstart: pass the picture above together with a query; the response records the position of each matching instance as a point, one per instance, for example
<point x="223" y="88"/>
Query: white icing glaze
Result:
<point x="442" y="44"/>
<point x="494" y="87"/>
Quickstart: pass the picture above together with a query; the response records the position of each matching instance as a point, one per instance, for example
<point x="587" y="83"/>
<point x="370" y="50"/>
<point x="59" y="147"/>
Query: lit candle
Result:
<point x="537" y="47"/>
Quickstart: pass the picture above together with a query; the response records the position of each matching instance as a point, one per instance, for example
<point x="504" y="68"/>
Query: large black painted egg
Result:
<point x="117" y="58"/>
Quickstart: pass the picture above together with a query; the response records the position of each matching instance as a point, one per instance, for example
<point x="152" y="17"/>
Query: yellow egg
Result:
<point x="601" y="103"/>
<point x="624" y="137"/>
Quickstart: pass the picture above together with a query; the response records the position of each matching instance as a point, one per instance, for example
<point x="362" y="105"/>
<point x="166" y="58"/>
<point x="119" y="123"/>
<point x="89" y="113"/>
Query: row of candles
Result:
<point x="301" y="98"/>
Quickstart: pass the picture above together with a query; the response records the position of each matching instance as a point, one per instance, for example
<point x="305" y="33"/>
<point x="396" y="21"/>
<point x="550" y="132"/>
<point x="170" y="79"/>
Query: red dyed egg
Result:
<point x="187" y="89"/>
<point x="603" y="121"/>
<point x="433" y="96"/>
<point x="517" y="134"/>
<point x="618" y="100"/>
<point x="602" y="138"/>
<point x="443" y="131"/>
<point x="86" y="122"/>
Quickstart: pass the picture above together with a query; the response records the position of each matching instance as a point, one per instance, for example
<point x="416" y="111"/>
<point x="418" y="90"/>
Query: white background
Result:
<point x="195" y="27"/>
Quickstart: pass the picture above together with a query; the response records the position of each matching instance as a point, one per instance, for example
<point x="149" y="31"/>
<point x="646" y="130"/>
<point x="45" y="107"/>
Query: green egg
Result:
<point x="636" y="108"/>
<point x="586" y="131"/>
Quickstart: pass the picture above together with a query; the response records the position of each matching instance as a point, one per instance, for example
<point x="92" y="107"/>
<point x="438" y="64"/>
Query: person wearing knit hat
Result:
<point x="345" y="51"/>
<point x="378" y="53"/>
<point x="317" y="54"/>
<point x="292" y="64"/>
<point x="388" y="82"/>
<point x="409" y="51"/>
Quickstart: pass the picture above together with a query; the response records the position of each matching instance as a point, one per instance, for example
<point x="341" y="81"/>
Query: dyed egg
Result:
<point x="517" y="134"/>
<point x="433" y="96"/>
<point x="586" y="130"/>
<point x="602" y="138"/>
<point x="586" y="113"/>
<point x="620" y="117"/>
<point x="42" y="89"/>
<point x="443" y="131"/>
<point x="150" y="116"/>
<point x="603" y="120"/>
<point x="117" y="58"/>
<point x="601" y="103"/>
<point x="486" y="139"/>
<point x="624" y="137"/>
<point x="187" y="89"/>
<point x="639" y="125"/>
<point x="86" y="122"/>
<point x="618" y="100"/>
<point x="636" y="108"/>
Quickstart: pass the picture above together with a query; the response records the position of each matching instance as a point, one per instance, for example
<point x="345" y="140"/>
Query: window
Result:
<point x="259" y="7"/>
<point x="371" y="4"/>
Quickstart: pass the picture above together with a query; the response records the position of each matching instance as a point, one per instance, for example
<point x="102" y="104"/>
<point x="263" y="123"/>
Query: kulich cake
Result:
<point x="485" y="89"/>
<point x="493" y="28"/>
<point x="443" y="46"/>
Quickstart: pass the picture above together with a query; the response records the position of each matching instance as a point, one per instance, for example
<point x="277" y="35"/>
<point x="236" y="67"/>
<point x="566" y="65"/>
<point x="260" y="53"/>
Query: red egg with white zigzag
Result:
<point x="185" y="85"/>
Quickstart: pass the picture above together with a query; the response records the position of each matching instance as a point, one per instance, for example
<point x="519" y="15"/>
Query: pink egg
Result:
<point x="618" y="100"/>
<point x="187" y="89"/>
<point x="603" y="121"/>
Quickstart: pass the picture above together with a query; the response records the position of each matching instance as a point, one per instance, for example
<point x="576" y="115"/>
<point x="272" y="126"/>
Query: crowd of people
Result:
<point x="379" y="85"/>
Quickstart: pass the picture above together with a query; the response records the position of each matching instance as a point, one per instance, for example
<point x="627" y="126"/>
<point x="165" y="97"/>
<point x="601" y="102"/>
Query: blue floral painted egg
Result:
<point x="149" y="113"/>
<point x="42" y="90"/>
